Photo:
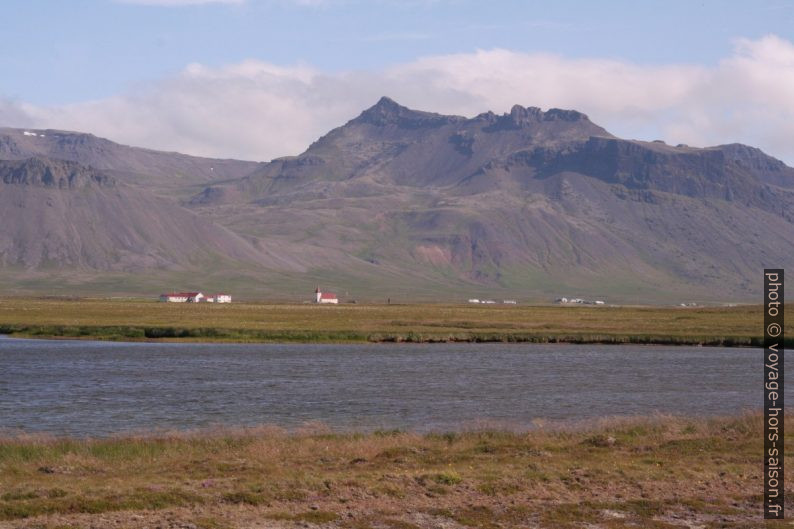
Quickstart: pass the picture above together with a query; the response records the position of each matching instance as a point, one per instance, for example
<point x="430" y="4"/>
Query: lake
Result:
<point x="98" y="388"/>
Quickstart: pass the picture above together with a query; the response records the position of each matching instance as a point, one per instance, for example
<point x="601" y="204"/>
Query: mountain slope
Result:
<point x="155" y="169"/>
<point x="394" y="145"/>
<point x="527" y="202"/>
<point x="60" y="215"/>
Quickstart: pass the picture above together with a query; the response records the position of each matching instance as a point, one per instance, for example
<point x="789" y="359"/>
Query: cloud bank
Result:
<point x="255" y="110"/>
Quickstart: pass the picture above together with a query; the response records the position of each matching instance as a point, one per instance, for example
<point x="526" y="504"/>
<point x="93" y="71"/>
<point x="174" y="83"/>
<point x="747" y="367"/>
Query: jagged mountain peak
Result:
<point x="554" y="120"/>
<point x="521" y="115"/>
<point x="387" y="103"/>
<point x="388" y="112"/>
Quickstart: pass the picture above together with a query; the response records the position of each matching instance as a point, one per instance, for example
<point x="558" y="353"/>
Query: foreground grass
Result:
<point x="140" y="320"/>
<point x="661" y="473"/>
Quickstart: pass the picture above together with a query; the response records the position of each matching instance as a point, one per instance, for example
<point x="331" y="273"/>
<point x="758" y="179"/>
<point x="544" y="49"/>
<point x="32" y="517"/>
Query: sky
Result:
<point x="259" y="79"/>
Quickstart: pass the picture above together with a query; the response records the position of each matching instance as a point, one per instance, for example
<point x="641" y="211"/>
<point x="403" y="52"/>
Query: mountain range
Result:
<point x="401" y="204"/>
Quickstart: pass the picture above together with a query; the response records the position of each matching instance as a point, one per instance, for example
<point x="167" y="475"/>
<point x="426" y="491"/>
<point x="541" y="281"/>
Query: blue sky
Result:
<point x="103" y="57"/>
<point x="85" y="49"/>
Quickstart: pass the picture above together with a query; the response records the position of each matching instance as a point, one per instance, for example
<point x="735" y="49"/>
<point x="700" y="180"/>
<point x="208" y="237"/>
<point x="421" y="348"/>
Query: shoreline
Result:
<point x="313" y="428"/>
<point x="116" y="334"/>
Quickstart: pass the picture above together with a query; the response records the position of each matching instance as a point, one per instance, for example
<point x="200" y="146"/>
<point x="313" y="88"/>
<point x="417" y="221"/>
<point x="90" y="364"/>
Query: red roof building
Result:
<point x="325" y="297"/>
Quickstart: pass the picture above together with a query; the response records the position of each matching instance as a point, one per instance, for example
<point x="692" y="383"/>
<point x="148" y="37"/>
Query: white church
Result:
<point x="325" y="297"/>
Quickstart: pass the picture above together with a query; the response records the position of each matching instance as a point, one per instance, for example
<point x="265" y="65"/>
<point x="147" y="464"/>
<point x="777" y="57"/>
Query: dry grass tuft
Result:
<point x="662" y="471"/>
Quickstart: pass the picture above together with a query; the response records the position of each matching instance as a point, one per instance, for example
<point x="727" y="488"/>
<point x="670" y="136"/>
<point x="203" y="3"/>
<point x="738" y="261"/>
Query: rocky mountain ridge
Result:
<point x="527" y="203"/>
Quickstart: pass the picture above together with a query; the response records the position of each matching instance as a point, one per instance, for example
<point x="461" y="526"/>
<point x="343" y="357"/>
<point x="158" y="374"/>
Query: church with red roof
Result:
<point x="325" y="297"/>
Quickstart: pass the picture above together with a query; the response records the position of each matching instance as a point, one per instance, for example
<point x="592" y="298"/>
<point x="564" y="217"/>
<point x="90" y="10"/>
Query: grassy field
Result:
<point x="659" y="473"/>
<point x="142" y="320"/>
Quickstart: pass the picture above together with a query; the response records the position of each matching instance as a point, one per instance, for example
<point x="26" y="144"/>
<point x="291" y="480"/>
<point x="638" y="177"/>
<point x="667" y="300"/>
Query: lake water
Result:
<point x="96" y="388"/>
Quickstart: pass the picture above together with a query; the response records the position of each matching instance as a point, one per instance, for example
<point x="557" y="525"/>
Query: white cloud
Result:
<point x="257" y="110"/>
<point x="15" y="113"/>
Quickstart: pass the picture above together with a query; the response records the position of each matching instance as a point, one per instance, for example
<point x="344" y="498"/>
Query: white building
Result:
<point x="325" y="297"/>
<point x="182" y="297"/>
<point x="218" y="298"/>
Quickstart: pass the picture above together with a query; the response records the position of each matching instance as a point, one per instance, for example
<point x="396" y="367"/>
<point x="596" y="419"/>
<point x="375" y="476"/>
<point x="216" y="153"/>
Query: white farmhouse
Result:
<point x="218" y="298"/>
<point x="182" y="297"/>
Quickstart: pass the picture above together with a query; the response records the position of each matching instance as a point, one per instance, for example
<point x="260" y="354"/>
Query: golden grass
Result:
<point x="656" y="472"/>
<point x="105" y="319"/>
